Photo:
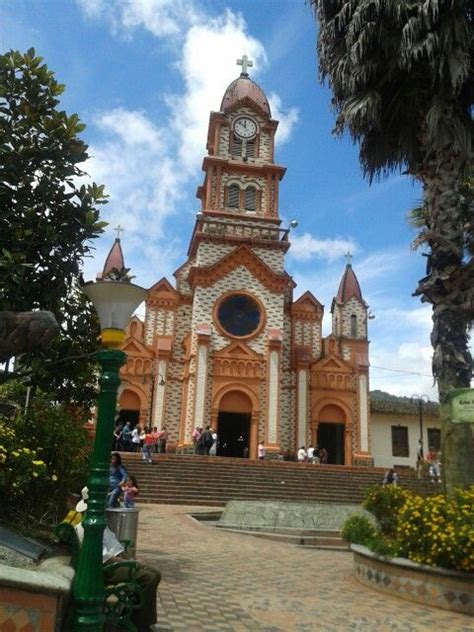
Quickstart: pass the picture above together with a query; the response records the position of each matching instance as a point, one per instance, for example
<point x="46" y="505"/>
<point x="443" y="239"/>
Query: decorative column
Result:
<point x="363" y="456"/>
<point x="158" y="403"/>
<point x="363" y="415"/>
<point x="275" y="339"/>
<point x="302" y="357"/>
<point x="203" y="333"/>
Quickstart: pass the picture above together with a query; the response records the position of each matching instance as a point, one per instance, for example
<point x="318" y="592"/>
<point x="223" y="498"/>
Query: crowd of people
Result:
<point x="137" y="439"/>
<point x="312" y="455"/>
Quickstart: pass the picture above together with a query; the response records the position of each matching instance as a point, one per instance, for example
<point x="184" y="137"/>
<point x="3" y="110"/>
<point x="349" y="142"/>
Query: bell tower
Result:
<point x="239" y="292"/>
<point x="241" y="179"/>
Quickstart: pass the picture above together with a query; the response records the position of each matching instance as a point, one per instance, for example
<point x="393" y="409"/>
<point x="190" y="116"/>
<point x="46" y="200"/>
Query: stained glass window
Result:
<point x="239" y="315"/>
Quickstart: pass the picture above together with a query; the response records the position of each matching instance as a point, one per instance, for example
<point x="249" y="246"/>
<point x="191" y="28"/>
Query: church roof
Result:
<point x="242" y="88"/>
<point x="114" y="259"/>
<point x="349" y="286"/>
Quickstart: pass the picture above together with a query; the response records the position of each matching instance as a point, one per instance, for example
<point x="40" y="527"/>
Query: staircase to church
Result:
<point x="211" y="481"/>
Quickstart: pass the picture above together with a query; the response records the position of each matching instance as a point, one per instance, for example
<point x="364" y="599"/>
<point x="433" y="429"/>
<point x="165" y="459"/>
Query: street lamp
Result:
<point x="115" y="302"/>
<point x="420" y="400"/>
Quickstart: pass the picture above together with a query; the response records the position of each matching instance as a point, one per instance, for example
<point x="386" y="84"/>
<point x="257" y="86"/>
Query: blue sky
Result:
<point x="144" y="75"/>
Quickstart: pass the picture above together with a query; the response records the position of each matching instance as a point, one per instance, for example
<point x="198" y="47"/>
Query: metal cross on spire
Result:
<point x="119" y="230"/>
<point x="245" y="63"/>
<point x="348" y="257"/>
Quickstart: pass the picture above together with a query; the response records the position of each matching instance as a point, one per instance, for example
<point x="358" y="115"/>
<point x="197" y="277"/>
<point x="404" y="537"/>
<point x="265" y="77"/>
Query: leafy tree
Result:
<point x="47" y="217"/>
<point x="401" y="77"/>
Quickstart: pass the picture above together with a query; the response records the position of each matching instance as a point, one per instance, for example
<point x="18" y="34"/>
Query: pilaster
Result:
<point x="275" y="339"/>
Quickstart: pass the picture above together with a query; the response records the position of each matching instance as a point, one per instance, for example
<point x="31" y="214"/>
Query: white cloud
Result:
<point x="306" y="247"/>
<point x="142" y="181"/>
<point x="208" y="65"/>
<point x="287" y="119"/>
<point x="162" y="18"/>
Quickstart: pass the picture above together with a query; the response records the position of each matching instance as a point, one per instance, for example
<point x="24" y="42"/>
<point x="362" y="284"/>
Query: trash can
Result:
<point x="123" y="523"/>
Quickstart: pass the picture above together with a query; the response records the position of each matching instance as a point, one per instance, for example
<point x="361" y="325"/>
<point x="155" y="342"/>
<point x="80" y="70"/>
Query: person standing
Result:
<point x="261" y="451"/>
<point x="310" y="454"/>
<point x="213" y="448"/>
<point x="163" y="440"/>
<point x="206" y="440"/>
<point x="127" y="437"/>
<point x="301" y="455"/>
<point x="195" y="436"/>
<point x="147" y="446"/>
<point x="136" y="439"/>
<point x="434" y="459"/>
<point x="156" y="437"/>
<point x="323" y="456"/>
<point x="130" y="491"/>
<point x="118" y="437"/>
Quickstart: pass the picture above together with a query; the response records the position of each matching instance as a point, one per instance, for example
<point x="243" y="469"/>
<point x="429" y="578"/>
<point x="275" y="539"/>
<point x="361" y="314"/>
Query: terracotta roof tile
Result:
<point x="241" y="88"/>
<point x="349" y="286"/>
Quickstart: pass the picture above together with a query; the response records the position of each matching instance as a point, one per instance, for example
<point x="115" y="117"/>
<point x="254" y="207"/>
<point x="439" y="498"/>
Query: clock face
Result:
<point x="245" y="127"/>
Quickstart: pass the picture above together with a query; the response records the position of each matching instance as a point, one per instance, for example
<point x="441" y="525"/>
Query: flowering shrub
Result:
<point x="432" y="530"/>
<point x="438" y="530"/>
<point x="43" y="458"/>
<point x="19" y="465"/>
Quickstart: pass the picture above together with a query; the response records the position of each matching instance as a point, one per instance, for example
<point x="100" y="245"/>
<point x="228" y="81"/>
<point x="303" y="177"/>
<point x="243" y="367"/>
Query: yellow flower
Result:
<point x="54" y="477"/>
<point x="35" y="474"/>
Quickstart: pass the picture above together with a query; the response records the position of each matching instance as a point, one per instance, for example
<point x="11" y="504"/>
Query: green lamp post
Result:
<point x="115" y="301"/>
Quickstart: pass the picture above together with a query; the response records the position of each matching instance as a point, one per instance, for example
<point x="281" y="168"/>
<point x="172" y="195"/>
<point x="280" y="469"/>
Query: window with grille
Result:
<point x="353" y="325"/>
<point x="250" y="148"/>
<point x="250" y="199"/>
<point x="434" y="439"/>
<point x="400" y="441"/>
<point x="233" y="196"/>
<point x="235" y="145"/>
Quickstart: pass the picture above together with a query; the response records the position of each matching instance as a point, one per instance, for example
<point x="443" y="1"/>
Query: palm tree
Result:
<point x="402" y="81"/>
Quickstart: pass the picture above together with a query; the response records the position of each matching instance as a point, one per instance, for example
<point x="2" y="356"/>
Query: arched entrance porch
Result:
<point x="331" y="430"/>
<point x="130" y="405"/>
<point x="235" y="418"/>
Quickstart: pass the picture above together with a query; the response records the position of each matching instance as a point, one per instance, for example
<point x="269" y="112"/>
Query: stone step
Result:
<point x="314" y="541"/>
<point x="176" y="479"/>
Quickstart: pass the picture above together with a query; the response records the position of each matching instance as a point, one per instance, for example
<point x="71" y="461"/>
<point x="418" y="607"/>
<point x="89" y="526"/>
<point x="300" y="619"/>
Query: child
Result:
<point x="130" y="491"/>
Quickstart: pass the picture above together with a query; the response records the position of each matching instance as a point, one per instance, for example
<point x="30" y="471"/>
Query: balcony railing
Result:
<point x="241" y="231"/>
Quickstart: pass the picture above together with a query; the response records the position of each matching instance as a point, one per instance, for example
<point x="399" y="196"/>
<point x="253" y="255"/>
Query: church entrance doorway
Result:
<point x="129" y="415"/>
<point x="233" y="430"/>
<point x="331" y="437"/>
<point x="129" y="407"/>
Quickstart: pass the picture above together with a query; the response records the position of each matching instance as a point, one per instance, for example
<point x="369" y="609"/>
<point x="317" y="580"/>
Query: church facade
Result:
<point x="226" y="344"/>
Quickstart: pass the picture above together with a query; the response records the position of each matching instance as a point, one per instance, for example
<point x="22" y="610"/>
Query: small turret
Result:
<point x="114" y="266"/>
<point x="349" y="310"/>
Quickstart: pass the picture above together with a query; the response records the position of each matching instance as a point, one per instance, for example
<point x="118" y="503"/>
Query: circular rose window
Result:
<point x="239" y="315"/>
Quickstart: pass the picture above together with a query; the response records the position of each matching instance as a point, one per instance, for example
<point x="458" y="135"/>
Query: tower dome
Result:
<point x="242" y="88"/>
<point x="349" y="286"/>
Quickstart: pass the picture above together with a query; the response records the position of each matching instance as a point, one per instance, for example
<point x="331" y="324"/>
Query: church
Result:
<point x="226" y="344"/>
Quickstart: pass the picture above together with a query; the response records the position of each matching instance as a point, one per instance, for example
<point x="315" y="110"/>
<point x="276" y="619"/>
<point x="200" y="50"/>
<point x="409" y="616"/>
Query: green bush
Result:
<point x="358" y="529"/>
<point x="384" y="502"/>
<point x="43" y="458"/>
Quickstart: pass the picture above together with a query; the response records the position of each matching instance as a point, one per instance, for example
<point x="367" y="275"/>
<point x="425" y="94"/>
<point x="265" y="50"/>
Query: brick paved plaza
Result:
<point x="217" y="581"/>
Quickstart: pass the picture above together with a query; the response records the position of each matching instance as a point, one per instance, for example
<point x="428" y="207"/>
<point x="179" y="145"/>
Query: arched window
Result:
<point x="353" y="325"/>
<point x="235" y="145"/>
<point x="250" y="199"/>
<point x="233" y="196"/>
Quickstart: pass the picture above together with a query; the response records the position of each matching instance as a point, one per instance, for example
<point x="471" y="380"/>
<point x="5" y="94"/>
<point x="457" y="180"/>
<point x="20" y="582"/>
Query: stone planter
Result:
<point x="35" y="600"/>
<point x="428" y="585"/>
